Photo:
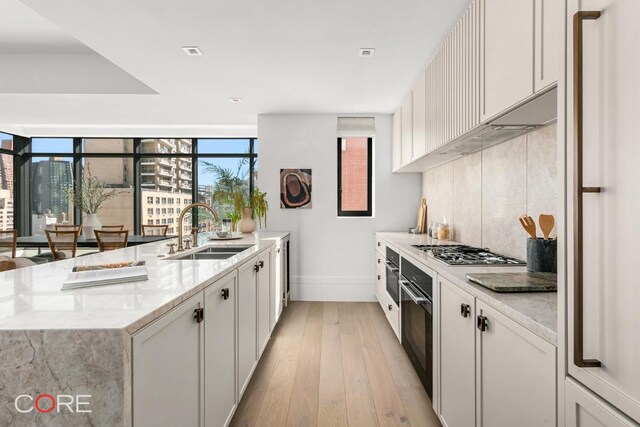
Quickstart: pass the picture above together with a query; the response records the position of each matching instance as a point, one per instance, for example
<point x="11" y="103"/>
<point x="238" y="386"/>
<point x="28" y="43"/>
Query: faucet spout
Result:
<point x="181" y="217"/>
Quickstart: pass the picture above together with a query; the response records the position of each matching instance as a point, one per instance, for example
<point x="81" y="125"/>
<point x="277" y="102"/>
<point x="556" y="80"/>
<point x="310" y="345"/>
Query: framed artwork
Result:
<point x="295" y="188"/>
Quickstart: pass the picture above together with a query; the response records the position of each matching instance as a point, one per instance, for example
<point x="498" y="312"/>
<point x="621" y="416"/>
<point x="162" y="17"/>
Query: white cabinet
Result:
<point x="492" y="371"/>
<point x="247" y="323"/>
<point x="507" y="45"/>
<point x="611" y="100"/>
<point x="220" y="350"/>
<point x="407" y="130"/>
<point x="516" y="374"/>
<point x="457" y="356"/>
<point x="419" y="118"/>
<point x="168" y="386"/>
<point x="549" y="17"/>
<point x="263" y="285"/>
<point x="396" y="141"/>
<point x="583" y="409"/>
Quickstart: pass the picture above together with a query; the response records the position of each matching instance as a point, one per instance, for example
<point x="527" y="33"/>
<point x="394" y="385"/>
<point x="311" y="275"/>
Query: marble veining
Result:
<point x="30" y="298"/>
<point x="538" y="312"/>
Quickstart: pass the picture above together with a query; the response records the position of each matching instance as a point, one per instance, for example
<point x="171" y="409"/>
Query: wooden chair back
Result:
<point x="8" y="243"/>
<point x="112" y="228"/>
<point x="67" y="227"/>
<point x="110" y="240"/>
<point x="155" y="230"/>
<point x="63" y="243"/>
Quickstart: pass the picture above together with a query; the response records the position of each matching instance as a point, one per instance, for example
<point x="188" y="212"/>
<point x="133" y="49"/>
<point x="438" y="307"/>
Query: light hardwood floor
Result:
<point x="334" y="364"/>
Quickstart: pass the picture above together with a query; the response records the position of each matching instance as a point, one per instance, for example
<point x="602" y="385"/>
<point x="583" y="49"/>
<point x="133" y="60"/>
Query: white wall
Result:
<point x="331" y="258"/>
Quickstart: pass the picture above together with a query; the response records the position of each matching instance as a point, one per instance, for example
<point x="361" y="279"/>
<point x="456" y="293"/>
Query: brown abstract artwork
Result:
<point x="295" y="188"/>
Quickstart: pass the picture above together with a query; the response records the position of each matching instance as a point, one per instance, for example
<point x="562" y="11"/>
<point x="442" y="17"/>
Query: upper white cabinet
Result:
<point x="419" y="118"/>
<point x="168" y="369"/>
<point x="507" y="43"/>
<point x="498" y="56"/>
<point x="396" y="141"/>
<point x="549" y="16"/>
<point x="407" y="130"/>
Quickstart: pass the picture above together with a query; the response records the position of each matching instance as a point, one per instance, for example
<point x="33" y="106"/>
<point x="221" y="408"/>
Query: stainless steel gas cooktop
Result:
<point x="468" y="255"/>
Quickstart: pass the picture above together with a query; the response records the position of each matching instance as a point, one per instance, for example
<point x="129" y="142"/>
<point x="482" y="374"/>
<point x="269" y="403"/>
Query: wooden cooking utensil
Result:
<point x="529" y="225"/>
<point x="546" y="224"/>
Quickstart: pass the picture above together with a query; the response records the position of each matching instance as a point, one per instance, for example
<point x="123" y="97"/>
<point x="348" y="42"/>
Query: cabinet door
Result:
<point x="168" y="369"/>
<point x="457" y="356"/>
<point x="407" y="130"/>
<point x="419" y="118"/>
<point x="247" y="323"/>
<point x="220" y="350"/>
<point x="264" y="298"/>
<point x="583" y="409"/>
<point x="515" y="374"/>
<point x="548" y="51"/>
<point x="276" y="287"/>
<point x="611" y="96"/>
<point x="507" y="54"/>
<point x="397" y="141"/>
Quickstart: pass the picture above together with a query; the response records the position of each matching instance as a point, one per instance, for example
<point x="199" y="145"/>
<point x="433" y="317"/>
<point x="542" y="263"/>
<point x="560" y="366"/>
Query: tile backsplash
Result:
<point x="483" y="194"/>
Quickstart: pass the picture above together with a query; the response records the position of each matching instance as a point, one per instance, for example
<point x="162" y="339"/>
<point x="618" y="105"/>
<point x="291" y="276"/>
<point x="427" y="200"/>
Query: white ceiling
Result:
<point x="278" y="56"/>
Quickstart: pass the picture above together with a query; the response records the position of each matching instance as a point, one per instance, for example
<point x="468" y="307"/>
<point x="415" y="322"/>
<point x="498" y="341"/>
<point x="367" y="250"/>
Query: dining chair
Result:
<point x="8" y="243"/>
<point x="112" y="228"/>
<point x="67" y="227"/>
<point x="62" y="243"/>
<point x="110" y="240"/>
<point x="155" y="230"/>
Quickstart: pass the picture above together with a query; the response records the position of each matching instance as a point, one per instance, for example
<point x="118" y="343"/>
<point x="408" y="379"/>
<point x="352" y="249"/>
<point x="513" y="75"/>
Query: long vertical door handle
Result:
<point x="578" y="122"/>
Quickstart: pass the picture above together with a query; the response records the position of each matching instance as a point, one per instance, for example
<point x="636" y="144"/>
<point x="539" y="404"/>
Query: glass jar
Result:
<point x="443" y="232"/>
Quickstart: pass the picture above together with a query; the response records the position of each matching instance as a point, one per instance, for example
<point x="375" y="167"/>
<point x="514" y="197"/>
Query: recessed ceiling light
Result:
<point x="367" y="51"/>
<point x="235" y="100"/>
<point x="192" y="50"/>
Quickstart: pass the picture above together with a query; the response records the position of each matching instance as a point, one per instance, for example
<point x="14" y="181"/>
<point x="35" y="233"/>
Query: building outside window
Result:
<point x="6" y="182"/>
<point x="355" y="176"/>
<point x="150" y="200"/>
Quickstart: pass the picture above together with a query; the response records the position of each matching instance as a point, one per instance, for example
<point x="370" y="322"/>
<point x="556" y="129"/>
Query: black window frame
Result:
<point x="369" y="211"/>
<point x="22" y="157"/>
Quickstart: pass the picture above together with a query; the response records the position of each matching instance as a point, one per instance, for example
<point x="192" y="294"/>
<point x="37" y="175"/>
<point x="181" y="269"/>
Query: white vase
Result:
<point x="90" y="223"/>
<point x="246" y="224"/>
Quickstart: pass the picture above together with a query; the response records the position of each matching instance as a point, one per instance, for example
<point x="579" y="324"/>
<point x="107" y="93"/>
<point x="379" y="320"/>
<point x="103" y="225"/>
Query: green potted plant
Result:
<point x="90" y="197"/>
<point x="245" y="208"/>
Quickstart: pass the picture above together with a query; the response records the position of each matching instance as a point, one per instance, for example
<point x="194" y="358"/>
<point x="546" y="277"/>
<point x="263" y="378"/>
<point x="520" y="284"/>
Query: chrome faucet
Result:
<point x="180" y="218"/>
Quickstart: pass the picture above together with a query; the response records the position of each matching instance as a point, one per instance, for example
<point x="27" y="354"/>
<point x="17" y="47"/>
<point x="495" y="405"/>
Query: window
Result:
<point x="52" y="145"/>
<point x="150" y="211"/>
<point x="157" y="200"/>
<point x="150" y="200"/>
<point x="354" y="176"/>
<point x="51" y="178"/>
<point x="164" y="200"/>
<point x="6" y="182"/>
<point x="222" y="174"/>
<point x="116" y="175"/>
<point x="157" y="211"/>
<point x="150" y="222"/>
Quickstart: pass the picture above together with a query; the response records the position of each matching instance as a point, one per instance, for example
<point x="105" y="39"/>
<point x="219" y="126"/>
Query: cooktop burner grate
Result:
<point x="468" y="255"/>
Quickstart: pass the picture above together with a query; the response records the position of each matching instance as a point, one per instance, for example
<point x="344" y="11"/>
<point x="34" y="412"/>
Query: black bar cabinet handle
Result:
<point x="578" y="122"/>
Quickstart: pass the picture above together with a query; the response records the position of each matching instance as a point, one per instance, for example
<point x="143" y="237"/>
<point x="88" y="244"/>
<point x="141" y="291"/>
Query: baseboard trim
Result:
<point x="331" y="288"/>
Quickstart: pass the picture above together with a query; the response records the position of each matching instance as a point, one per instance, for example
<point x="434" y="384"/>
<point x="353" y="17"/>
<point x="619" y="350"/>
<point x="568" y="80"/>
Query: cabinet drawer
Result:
<point x="390" y="310"/>
<point x="381" y="282"/>
<point x="381" y="248"/>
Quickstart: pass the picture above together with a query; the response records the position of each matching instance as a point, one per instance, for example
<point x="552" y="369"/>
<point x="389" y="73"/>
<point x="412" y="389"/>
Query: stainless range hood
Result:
<point x="537" y="112"/>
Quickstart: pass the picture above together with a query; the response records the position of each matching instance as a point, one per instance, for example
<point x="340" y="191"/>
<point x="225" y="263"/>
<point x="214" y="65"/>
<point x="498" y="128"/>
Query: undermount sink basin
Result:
<point x="212" y="253"/>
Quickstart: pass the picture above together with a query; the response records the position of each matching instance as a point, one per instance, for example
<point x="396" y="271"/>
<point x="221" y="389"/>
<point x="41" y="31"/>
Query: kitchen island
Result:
<point x="67" y="345"/>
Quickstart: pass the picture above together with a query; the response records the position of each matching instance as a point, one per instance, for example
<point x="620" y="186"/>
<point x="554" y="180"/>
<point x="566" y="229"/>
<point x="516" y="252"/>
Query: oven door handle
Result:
<point x="391" y="266"/>
<point x="407" y="288"/>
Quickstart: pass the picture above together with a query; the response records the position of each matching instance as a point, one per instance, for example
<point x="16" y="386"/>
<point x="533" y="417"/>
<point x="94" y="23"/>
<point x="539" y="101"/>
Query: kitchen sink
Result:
<point x="211" y="253"/>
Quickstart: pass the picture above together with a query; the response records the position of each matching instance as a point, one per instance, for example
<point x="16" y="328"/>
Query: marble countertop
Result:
<point x="538" y="312"/>
<point x="31" y="299"/>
